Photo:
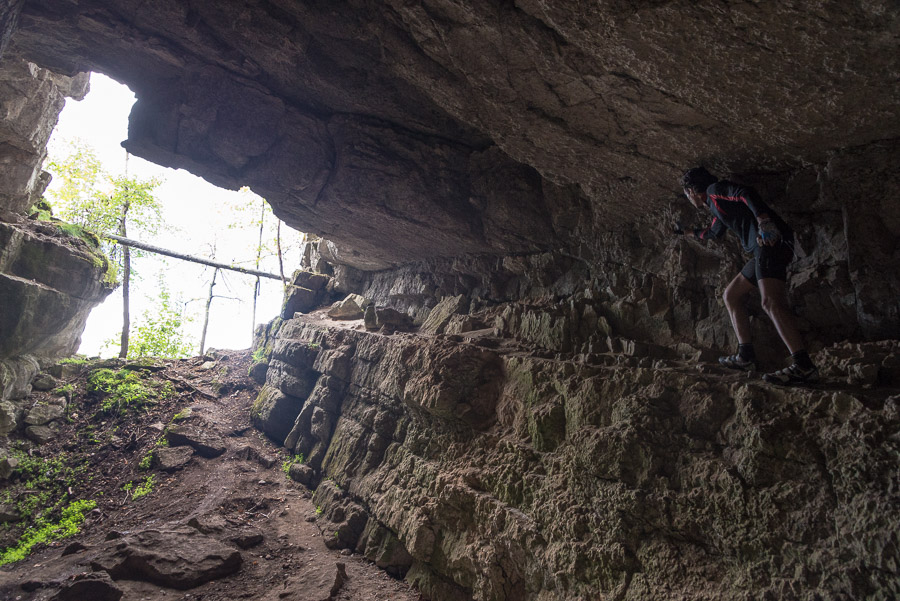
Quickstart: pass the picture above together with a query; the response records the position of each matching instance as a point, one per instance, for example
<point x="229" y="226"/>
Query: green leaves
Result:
<point x="85" y="194"/>
<point x="123" y="390"/>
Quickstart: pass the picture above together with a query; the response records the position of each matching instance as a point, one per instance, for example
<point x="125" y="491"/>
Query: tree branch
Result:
<point x="170" y="253"/>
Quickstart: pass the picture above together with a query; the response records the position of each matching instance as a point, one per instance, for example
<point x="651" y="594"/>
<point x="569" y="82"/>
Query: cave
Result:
<point x="542" y="416"/>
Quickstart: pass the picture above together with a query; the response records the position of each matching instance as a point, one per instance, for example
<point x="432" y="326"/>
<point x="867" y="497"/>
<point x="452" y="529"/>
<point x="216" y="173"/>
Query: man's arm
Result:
<point x="768" y="233"/>
<point x="715" y="230"/>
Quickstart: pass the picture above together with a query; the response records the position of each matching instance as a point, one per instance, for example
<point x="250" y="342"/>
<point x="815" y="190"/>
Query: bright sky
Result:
<point x="199" y="215"/>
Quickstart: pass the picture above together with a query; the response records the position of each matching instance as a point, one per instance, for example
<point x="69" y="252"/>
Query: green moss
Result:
<point x="125" y="390"/>
<point x="45" y="531"/>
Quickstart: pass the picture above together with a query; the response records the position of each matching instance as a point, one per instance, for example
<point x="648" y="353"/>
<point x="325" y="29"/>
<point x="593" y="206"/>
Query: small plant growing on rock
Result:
<point x="141" y="490"/>
<point x="286" y="466"/>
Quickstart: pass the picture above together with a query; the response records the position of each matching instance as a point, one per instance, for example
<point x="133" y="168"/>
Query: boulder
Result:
<point x="179" y="558"/>
<point x="43" y="382"/>
<point x="96" y="586"/>
<point x="170" y="459"/>
<point x="392" y="320"/>
<point x="352" y="307"/>
<point x="7" y="466"/>
<point x="306" y="291"/>
<point x="7" y="417"/>
<point x="40" y="434"/>
<point x="440" y="315"/>
<point x="44" y="413"/>
<point x="207" y="443"/>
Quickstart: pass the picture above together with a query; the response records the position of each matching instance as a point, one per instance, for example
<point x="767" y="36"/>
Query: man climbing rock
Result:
<point x="771" y="242"/>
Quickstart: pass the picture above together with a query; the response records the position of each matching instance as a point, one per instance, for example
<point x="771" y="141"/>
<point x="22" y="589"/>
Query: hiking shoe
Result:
<point x="793" y="375"/>
<point x="737" y="362"/>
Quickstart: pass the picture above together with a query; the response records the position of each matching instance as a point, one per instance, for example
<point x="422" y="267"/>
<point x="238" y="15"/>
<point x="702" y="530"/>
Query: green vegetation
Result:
<point x="46" y="531"/>
<point x="66" y="390"/>
<point x="144" y="488"/>
<point x="74" y="361"/>
<point x="38" y="491"/>
<point x="319" y="510"/>
<point x="89" y="197"/>
<point x="160" y="331"/>
<point x="125" y="390"/>
<point x="286" y="466"/>
<point x="259" y="355"/>
<point x="146" y="462"/>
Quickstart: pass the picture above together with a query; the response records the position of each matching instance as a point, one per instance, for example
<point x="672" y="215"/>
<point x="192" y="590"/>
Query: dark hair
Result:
<point x="698" y="179"/>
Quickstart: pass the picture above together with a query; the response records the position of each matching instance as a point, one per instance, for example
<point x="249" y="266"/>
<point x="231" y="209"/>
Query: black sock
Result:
<point x="802" y="359"/>
<point x="745" y="350"/>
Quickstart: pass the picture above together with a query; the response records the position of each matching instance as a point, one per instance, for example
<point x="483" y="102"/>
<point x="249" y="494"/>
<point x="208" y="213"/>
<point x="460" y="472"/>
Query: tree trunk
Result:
<point x="280" y="259"/>
<point x="126" y="286"/>
<point x="175" y="255"/>
<point x="206" y="316"/>
<point x="262" y="221"/>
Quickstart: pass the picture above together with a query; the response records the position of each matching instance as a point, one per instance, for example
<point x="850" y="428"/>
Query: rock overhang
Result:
<point x="404" y="131"/>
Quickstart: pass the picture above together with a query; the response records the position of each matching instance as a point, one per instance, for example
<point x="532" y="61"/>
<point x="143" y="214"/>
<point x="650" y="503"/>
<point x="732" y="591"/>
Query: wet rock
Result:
<point x="170" y="459"/>
<point x="206" y="443"/>
<point x="97" y="586"/>
<point x="180" y="558"/>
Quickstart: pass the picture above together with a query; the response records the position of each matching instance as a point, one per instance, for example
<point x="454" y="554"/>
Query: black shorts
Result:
<point x="769" y="262"/>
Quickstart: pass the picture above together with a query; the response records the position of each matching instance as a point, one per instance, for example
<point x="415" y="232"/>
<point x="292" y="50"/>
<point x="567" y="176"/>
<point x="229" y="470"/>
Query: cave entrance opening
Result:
<point x="196" y="219"/>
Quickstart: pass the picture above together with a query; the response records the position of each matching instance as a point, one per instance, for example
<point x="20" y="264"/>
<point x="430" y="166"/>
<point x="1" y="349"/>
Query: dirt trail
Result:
<point x="237" y="498"/>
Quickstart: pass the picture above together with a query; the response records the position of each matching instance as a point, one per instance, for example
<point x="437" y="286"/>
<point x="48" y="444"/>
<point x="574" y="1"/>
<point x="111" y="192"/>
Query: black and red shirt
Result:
<point x="736" y="207"/>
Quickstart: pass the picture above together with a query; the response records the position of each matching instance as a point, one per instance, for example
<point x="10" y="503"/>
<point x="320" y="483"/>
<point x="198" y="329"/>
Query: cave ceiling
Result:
<point x="401" y="130"/>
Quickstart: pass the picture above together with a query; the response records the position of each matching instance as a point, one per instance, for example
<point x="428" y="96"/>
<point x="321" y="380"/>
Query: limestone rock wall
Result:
<point x="49" y="280"/>
<point x="482" y="470"/>
<point x="30" y="101"/>
<point x="406" y="131"/>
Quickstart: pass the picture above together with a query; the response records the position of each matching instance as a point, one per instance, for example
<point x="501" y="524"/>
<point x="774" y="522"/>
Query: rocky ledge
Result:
<point x="481" y="467"/>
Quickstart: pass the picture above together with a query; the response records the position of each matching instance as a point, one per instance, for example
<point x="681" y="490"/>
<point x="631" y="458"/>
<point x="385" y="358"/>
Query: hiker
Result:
<point x="771" y="242"/>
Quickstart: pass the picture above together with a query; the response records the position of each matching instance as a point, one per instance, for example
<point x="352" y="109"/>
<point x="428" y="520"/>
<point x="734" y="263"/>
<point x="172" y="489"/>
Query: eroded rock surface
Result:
<point x="492" y="470"/>
<point x="176" y="558"/>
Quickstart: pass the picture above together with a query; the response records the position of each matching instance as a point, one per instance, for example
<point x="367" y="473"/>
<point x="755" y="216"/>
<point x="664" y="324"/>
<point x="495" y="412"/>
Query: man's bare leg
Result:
<point x="735" y="296"/>
<point x="775" y="304"/>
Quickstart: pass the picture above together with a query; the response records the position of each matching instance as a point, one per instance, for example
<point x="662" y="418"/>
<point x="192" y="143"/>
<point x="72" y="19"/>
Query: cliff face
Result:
<point x="515" y="164"/>
<point x="497" y="466"/>
<point x="49" y="280"/>
<point x="404" y="131"/>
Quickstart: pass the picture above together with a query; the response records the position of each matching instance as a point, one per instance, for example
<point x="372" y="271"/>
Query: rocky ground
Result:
<point x="219" y="519"/>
